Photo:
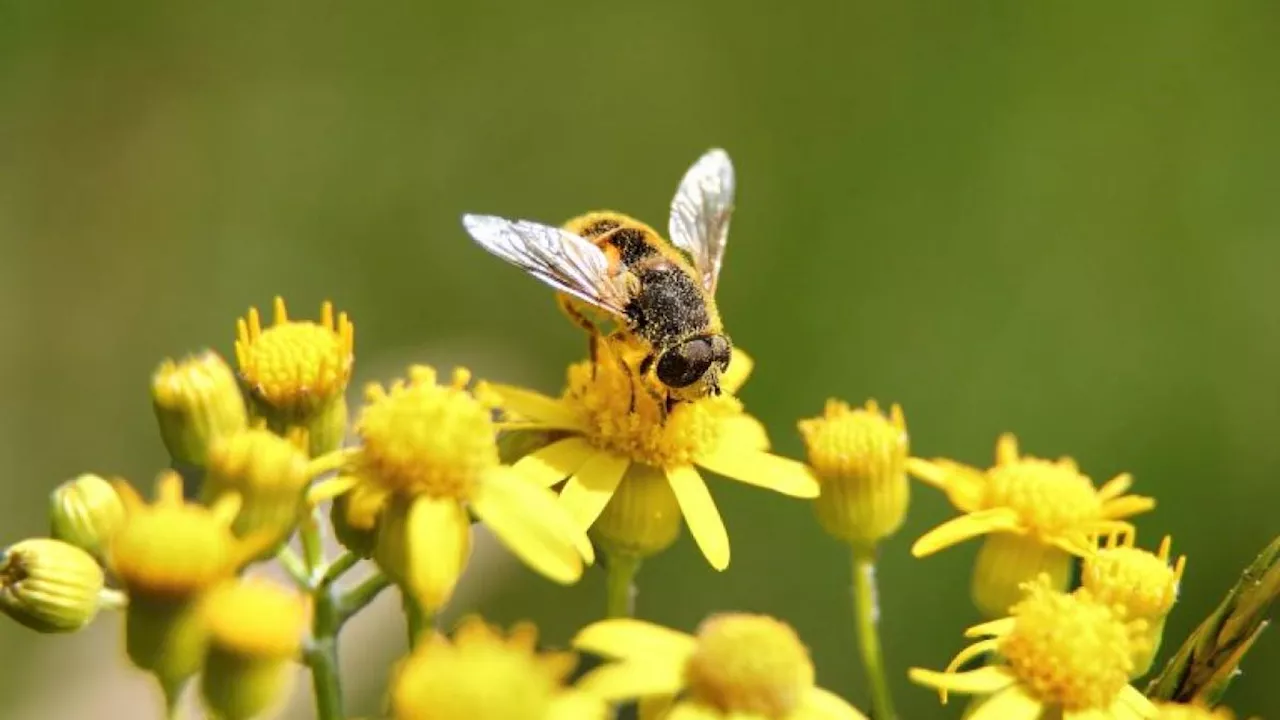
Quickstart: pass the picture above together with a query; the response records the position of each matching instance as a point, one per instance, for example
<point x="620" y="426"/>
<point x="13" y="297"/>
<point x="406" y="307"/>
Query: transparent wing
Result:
<point x="700" y="213"/>
<point x="559" y="258"/>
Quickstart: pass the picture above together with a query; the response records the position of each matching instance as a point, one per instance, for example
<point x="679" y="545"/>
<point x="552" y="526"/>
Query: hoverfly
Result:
<point x="660" y="295"/>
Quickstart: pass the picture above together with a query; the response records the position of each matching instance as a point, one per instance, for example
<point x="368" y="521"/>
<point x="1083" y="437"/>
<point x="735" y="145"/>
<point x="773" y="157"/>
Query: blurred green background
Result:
<point x="1055" y="219"/>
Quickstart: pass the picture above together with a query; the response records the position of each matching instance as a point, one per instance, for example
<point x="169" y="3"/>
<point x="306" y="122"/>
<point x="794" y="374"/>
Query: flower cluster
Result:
<point x="267" y="455"/>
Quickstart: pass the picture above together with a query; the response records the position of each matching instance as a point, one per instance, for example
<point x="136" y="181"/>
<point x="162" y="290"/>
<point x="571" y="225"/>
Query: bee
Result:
<point x="659" y="295"/>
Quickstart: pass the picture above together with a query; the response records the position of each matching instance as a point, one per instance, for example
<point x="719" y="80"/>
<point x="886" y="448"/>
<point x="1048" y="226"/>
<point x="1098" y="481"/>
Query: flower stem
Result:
<point x="312" y="547"/>
<point x="620" y="585"/>
<point x="111" y="599"/>
<point x="417" y="619"/>
<point x="358" y="597"/>
<point x="866" y="611"/>
<point x="322" y="656"/>
<point x="294" y="566"/>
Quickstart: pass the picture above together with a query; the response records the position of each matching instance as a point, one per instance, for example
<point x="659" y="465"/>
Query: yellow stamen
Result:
<point x="295" y="366"/>
<point x="749" y="664"/>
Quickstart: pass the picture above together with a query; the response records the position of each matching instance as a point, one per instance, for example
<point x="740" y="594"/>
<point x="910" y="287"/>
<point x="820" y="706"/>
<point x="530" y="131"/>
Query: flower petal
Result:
<point x="959" y="529"/>
<point x="532" y="524"/>
<point x="1094" y="714"/>
<point x="762" y="470"/>
<point x="1006" y="449"/>
<point x="692" y="710"/>
<point x="630" y="639"/>
<point x="1138" y="705"/>
<point x="963" y="485"/>
<point x="330" y="488"/>
<point x="654" y="707"/>
<point x="822" y="704"/>
<point x="1123" y="507"/>
<point x="555" y="462"/>
<point x="993" y="628"/>
<point x="982" y="681"/>
<point x="545" y="412"/>
<point x="590" y="488"/>
<point x="576" y="705"/>
<point x="631" y="680"/>
<point x="437" y="545"/>
<point x="735" y="376"/>
<point x="700" y="514"/>
<point x="1012" y="703"/>
<point x="1115" y="487"/>
<point x="744" y="431"/>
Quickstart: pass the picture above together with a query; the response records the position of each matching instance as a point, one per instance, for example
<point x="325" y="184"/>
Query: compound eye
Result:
<point x="682" y="365"/>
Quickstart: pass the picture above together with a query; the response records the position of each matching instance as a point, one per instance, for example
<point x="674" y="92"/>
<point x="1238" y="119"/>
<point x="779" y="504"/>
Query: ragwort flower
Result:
<point x="609" y="423"/>
<point x="738" y="666"/>
<point x="482" y="675"/>
<point x="1036" y="515"/>
<point x="428" y="455"/>
<point x="1141" y="582"/>
<point x="296" y="372"/>
<point x="1058" y="653"/>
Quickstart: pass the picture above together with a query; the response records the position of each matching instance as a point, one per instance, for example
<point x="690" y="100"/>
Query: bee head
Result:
<point x="696" y="361"/>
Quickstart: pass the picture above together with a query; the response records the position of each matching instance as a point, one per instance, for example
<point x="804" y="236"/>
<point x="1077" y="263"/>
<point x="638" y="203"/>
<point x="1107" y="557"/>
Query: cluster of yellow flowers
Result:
<point x="600" y="472"/>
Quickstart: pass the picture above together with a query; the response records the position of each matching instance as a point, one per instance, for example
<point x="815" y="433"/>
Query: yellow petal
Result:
<point x="1115" y="487"/>
<point x="437" y="546"/>
<point x="690" y="710"/>
<point x="330" y="488"/>
<point x="1138" y="705"/>
<point x="628" y="639"/>
<point x="983" y="681"/>
<point x="1127" y="506"/>
<point x="822" y="704"/>
<point x="532" y="524"/>
<point x="575" y="705"/>
<point x="735" y="376"/>
<point x="589" y="490"/>
<point x="654" y="707"/>
<point x="630" y="680"/>
<point x="959" y="529"/>
<point x="963" y="485"/>
<point x="555" y="462"/>
<point x="1012" y="703"/>
<point x="993" y="628"/>
<point x="762" y="470"/>
<point x="1092" y="714"/>
<point x="543" y="411"/>
<point x="1006" y="449"/>
<point x="700" y="514"/>
<point x="744" y="431"/>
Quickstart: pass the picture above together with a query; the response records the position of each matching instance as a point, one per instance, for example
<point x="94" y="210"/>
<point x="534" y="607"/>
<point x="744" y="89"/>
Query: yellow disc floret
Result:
<point x="1070" y="650"/>
<point x="1051" y="497"/>
<point x="295" y="366"/>
<point x="622" y="417"/>
<point x="860" y="458"/>
<point x="1177" y="711"/>
<point x="420" y="437"/>
<point x="749" y="664"/>
<point x="1140" y="581"/>
<point x="480" y="675"/>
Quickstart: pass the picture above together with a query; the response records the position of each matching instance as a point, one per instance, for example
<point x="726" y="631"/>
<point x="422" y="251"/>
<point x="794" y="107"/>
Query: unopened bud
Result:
<point x="197" y="401"/>
<point x="268" y="472"/>
<point x="85" y="511"/>
<point x="49" y="585"/>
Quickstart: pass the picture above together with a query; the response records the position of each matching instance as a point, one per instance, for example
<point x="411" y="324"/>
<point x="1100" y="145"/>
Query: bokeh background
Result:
<point x="1056" y="219"/>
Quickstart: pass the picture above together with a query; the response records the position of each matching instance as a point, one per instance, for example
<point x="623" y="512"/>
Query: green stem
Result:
<point x="312" y="547"/>
<point x="337" y="568"/>
<point x="620" y="585"/>
<point x="294" y="566"/>
<point x="358" y="597"/>
<point x="866" y="612"/>
<point x="322" y="656"/>
<point x="417" y="619"/>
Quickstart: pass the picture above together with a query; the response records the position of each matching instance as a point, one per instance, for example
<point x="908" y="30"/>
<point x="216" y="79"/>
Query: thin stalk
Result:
<point x="112" y="599"/>
<point x="293" y="565"/>
<point x="866" y="612"/>
<point x="337" y="568"/>
<point x="417" y="620"/>
<point x="358" y="597"/>
<point x="322" y="656"/>
<point x="312" y="547"/>
<point x="620" y="585"/>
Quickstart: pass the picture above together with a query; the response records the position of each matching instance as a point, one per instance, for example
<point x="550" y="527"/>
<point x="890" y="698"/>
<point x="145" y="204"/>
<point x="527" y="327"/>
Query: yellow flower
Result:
<point x="268" y="472"/>
<point x="85" y="511"/>
<point x="860" y="458"/>
<point x="49" y="586"/>
<point x="168" y="555"/>
<point x="297" y="372"/>
<point x="196" y="401"/>
<point x="1177" y="711"/>
<point x="429" y="452"/>
<point x="256" y="629"/>
<point x="482" y="675"/>
<point x="1036" y="514"/>
<point x="1141" y="582"/>
<point x="1058" y="653"/>
<point x="739" y="666"/>
<point x="611" y="423"/>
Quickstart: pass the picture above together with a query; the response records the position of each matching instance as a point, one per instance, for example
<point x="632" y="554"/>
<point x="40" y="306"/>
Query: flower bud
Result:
<point x="270" y="475"/>
<point x="354" y="515"/>
<point x="255" y="629"/>
<point x="642" y="518"/>
<point x="859" y="456"/>
<point x="196" y="401"/>
<point x="85" y="511"/>
<point x="49" y="585"/>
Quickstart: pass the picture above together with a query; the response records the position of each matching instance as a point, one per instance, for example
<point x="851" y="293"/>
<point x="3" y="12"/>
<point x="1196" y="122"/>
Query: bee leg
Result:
<point x="664" y="404"/>
<point x="582" y="321"/>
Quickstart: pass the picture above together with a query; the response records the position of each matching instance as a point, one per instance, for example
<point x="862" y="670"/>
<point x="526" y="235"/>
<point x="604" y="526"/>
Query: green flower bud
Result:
<point x="354" y="516"/>
<point x="197" y="401"/>
<point x="49" y="585"/>
<point x="86" y="511"/>
<point x="642" y="518"/>
<point x="270" y="475"/>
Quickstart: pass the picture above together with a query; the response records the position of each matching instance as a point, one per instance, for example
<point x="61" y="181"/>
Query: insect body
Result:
<point x="608" y="263"/>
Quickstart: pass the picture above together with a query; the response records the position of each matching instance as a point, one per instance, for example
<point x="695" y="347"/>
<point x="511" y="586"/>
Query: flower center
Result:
<point x="173" y="550"/>
<point x="855" y="442"/>
<point x="296" y="366"/>
<point x="750" y="664"/>
<point x="603" y="396"/>
<point x="422" y="437"/>
<point x="1051" y="497"/>
<point x="479" y="677"/>
<point x="1140" y="581"/>
<point x="1070" y="650"/>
